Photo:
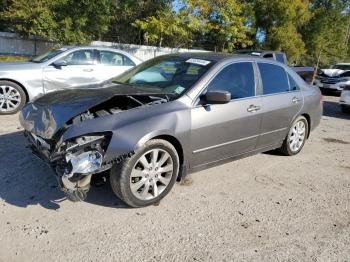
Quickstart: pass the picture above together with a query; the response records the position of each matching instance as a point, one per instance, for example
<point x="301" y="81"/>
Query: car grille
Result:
<point x="331" y="80"/>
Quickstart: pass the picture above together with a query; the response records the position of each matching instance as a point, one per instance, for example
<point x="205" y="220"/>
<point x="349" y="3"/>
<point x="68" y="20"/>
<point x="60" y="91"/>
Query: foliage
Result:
<point x="167" y="26"/>
<point x="126" y="12"/>
<point x="67" y="21"/>
<point x="326" y="35"/>
<point x="280" y="22"/>
<point x="214" y="25"/>
<point x="304" y="29"/>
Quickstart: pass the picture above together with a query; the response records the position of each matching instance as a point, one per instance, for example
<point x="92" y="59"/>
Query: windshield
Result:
<point x="342" y="67"/>
<point x="47" y="56"/>
<point x="170" y="75"/>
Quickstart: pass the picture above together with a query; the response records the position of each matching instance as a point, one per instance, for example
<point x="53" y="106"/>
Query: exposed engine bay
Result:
<point x="124" y="103"/>
<point x="75" y="161"/>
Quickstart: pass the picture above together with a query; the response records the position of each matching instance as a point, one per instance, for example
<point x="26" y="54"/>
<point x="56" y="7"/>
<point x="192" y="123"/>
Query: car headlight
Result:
<point x="84" y="143"/>
<point x="84" y="163"/>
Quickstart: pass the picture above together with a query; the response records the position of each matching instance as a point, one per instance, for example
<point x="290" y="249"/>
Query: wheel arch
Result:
<point x="175" y="142"/>
<point x="308" y="119"/>
<point x="19" y="84"/>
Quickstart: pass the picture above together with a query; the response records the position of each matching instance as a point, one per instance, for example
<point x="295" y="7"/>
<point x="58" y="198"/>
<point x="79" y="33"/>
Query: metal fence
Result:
<point x="12" y="44"/>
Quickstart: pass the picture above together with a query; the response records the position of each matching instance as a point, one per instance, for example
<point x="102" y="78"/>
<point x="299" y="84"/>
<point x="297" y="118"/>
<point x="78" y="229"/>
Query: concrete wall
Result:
<point x="144" y="52"/>
<point x="11" y="44"/>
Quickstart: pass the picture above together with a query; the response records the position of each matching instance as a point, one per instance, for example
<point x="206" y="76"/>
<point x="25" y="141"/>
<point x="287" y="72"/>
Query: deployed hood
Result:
<point x="49" y="113"/>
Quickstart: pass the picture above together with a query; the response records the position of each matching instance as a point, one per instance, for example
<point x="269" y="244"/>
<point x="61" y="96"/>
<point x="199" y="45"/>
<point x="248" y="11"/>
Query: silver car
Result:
<point x="170" y="116"/>
<point x="63" y="68"/>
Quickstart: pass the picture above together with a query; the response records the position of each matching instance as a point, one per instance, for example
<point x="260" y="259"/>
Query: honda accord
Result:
<point x="168" y="117"/>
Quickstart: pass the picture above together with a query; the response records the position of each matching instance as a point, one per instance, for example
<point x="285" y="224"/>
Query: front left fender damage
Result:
<point x="80" y="146"/>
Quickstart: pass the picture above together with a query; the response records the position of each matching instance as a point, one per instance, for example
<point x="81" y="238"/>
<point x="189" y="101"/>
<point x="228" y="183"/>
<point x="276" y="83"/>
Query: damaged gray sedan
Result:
<point x="167" y="117"/>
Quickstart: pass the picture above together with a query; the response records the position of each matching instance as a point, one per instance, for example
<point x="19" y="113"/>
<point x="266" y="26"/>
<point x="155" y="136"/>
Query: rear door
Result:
<point x="79" y="71"/>
<point x="224" y="130"/>
<point x="281" y="100"/>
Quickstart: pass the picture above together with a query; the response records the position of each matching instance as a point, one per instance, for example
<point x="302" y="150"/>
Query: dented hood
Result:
<point x="49" y="113"/>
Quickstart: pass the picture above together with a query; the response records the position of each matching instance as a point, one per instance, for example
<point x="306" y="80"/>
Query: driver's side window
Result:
<point x="80" y="57"/>
<point x="237" y="78"/>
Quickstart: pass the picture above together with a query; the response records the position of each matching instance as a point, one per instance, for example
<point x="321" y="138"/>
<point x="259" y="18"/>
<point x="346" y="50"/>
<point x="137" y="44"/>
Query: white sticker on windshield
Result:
<point x="198" y="61"/>
<point x="179" y="90"/>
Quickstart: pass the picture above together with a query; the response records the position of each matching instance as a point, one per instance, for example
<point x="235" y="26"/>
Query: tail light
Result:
<point x="321" y="99"/>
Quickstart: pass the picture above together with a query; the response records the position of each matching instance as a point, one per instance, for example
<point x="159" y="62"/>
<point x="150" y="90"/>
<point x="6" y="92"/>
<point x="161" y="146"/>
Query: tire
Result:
<point x="133" y="179"/>
<point x="345" y="109"/>
<point x="289" y="147"/>
<point x="12" y="98"/>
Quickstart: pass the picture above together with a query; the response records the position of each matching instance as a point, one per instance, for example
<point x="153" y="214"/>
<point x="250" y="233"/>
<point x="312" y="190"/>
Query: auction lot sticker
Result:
<point x="198" y="61"/>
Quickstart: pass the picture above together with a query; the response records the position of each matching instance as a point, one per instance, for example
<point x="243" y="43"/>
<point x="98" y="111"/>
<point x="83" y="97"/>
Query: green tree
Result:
<point x="126" y="12"/>
<point x="31" y="18"/>
<point x="65" y="21"/>
<point x="4" y="25"/>
<point x="280" y="23"/>
<point x="326" y="34"/>
<point x="214" y="24"/>
<point x="223" y="26"/>
<point x="166" y="26"/>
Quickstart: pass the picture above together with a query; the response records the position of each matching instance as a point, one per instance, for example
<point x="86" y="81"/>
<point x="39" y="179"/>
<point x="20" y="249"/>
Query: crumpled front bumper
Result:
<point x="73" y="169"/>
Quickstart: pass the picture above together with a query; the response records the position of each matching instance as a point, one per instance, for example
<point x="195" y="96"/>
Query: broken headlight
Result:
<point x="84" y="163"/>
<point x="85" y="143"/>
<point x="82" y="155"/>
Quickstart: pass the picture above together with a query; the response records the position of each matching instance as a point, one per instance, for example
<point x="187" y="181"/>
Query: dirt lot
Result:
<point x="263" y="208"/>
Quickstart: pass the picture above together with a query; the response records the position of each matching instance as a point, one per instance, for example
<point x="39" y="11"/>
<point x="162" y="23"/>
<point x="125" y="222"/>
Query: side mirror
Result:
<point x="217" y="97"/>
<point x="59" y="63"/>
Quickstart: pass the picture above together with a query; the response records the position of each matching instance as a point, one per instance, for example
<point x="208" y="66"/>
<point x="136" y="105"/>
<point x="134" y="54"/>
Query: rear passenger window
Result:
<point x="238" y="79"/>
<point x="274" y="79"/>
<point x="280" y="58"/>
<point x="292" y="84"/>
<point x="114" y="59"/>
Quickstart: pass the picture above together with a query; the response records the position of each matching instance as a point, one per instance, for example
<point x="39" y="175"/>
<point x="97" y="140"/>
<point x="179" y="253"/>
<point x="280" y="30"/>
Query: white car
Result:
<point x="345" y="99"/>
<point x="63" y="68"/>
<point x="335" y="78"/>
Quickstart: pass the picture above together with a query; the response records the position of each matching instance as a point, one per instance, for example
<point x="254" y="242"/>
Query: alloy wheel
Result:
<point x="10" y="98"/>
<point x="151" y="174"/>
<point x="297" y="136"/>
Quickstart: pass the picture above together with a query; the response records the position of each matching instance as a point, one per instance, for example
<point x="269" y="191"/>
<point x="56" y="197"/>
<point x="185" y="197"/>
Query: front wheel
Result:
<point x="296" y="137"/>
<point x="148" y="175"/>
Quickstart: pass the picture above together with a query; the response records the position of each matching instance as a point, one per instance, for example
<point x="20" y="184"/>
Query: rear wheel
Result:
<point x="296" y="137"/>
<point x="147" y="176"/>
<point x="12" y="98"/>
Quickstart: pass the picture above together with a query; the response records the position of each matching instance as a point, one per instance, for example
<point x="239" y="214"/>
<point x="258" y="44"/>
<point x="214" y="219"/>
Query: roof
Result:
<point x="208" y="55"/>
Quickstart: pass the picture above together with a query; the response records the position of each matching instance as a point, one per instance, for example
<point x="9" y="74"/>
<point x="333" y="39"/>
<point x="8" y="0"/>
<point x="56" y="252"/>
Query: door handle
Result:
<point x="295" y="100"/>
<point x="253" y="108"/>
<point x="88" y="70"/>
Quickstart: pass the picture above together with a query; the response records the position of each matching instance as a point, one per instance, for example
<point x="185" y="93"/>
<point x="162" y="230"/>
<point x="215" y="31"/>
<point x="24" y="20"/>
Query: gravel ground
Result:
<point x="263" y="208"/>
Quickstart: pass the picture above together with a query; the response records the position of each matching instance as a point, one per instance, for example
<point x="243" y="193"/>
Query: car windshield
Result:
<point x="342" y="67"/>
<point x="170" y="75"/>
<point x="47" y="56"/>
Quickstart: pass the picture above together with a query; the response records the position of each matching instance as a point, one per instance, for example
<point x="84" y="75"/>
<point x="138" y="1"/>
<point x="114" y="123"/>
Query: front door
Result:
<point x="224" y="130"/>
<point x="80" y="71"/>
